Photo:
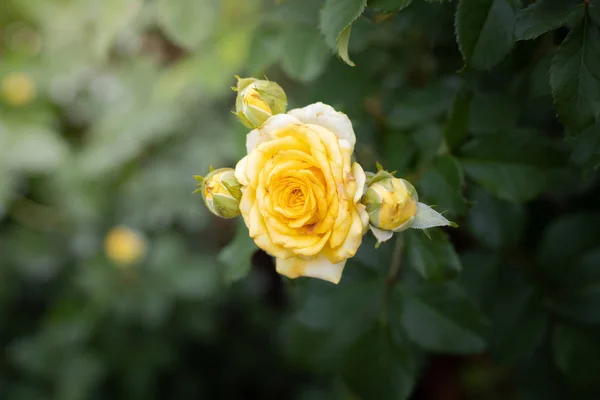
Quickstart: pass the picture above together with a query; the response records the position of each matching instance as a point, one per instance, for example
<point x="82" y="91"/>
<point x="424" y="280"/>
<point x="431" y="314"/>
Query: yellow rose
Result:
<point x="301" y="192"/>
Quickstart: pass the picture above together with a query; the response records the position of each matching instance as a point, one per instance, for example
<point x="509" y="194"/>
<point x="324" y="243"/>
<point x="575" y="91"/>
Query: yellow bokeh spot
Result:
<point x="124" y="246"/>
<point x="17" y="89"/>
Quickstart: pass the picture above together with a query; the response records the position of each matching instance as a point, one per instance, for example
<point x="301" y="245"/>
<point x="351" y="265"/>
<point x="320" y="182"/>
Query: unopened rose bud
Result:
<point x="393" y="206"/>
<point x="391" y="203"/>
<point x="257" y="100"/>
<point x="221" y="192"/>
<point x="17" y="89"/>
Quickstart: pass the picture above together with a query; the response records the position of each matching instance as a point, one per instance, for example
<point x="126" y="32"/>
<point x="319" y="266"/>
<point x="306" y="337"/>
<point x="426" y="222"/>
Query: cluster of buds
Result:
<point x="256" y="101"/>
<point x="392" y="203"/>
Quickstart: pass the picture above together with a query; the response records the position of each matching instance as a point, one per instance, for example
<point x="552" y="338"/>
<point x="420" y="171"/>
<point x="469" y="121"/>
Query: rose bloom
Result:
<point x="301" y="192"/>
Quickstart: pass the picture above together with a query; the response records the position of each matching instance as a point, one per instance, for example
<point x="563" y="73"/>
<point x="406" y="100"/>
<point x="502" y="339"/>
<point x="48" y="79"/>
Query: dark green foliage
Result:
<point x="491" y="108"/>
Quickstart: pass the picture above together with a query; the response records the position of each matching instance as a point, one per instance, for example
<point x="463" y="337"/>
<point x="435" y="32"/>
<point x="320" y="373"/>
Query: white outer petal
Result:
<point x="380" y="234"/>
<point x="361" y="179"/>
<point x="319" y="267"/>
<point x="240" y="171"/>
<point x="263" y="132"/>
<point x="327" y="117"/>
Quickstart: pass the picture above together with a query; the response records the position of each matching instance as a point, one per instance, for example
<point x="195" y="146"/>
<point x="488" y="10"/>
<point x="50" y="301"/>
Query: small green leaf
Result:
<point x="495" y="223"/>
<point x="236" y="256"/>
<point x="419" y="106"/>
<point x="456" y="128"/>
<point x="433" y="258"/>
<point x="586" y="147"/>
<point x="380" y="365"/>
<point x="188" y="22"/>
<point x="304" y="53"/>
<point x="336" y="315"/>
<point x="113" y="16"/>
<point x="336" y="20"/>
<point x="517" y="313"/>
<point x="577" y="354"/>
<point x="514" y="166"/>
<point x="441" y="184"/>
<point x="441" y="318"/>
<point x="484" y="31"/>
<point x="342" y="45"/>
<point x="389" y="5"/>
<point x="571" y="244"/>
<point x="575" y="76"/>
<point x="492" y="113"/>
<point x="265" y="49"/>
<point x="543" y="16"/>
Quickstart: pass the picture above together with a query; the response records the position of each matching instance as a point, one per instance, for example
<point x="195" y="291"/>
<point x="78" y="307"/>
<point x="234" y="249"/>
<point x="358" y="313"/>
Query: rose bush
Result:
<point x="301" y="191"/>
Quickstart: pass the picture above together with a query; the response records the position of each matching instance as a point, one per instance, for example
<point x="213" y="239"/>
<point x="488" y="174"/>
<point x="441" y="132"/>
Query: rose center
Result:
<point x="297" y="197"/>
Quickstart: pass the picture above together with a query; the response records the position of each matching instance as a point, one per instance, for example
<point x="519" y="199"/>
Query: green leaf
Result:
<point x="495" y="223"/>
<point x="113" y="16"/>
<point x="380" y="365"/>
<point x="441" y="184"/>
<point x="441" y="318"/>
<point x="539" y="81"/>
<point x="304" y="53"/>
<point x="336" y="19"/>
<point x="577" y="354"/>
<point x="478" y="276"/>
<point x="457" y="124"/>
<point x="294" y="12"/>
<point x="543" y="16"/>
<point x="575" y="76"/>
<point x="33" y="149"/>
<point x="266" y="49"/>
<point x="389" y="5"/>
<point x="343" y="41"/>
<point x="237" y="255"/>
<point x="418" y="106"/>
<point x="484" y="31"/>
<point x="334" y="315"/>
<point x="564" y="241"/>
<point x="429" y="139"/>
<point x="513" y="166"/>
<point x="397" y="160"/>
<point x="188" y="22"/>
<point x="579" y="296"/>
<point x="433" y="258"/>
<point x="518" y="316"/>
<point x="570" y="244"/>
<point x="586" y="147"/>
<point x="492" y="112"/>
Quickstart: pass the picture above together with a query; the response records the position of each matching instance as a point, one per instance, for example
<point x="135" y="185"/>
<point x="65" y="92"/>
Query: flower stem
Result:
<point x="396" y="262"/>
<point x="395" y="265"/>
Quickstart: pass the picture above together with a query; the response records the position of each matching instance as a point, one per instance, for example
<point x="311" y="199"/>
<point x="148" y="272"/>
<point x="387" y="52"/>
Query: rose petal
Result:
<point x="319" y="267"/>
<point x="264" y="132"/>
<point x="327" y="117"/>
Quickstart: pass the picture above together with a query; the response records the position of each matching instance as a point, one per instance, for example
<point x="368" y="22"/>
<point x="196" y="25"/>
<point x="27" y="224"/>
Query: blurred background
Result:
<point x="115" y="281"/>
